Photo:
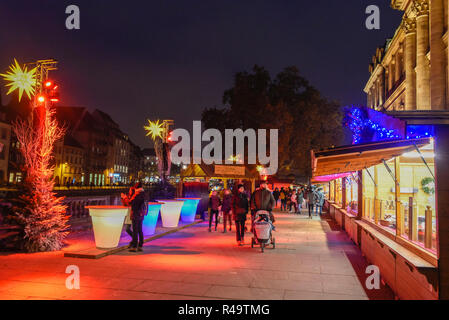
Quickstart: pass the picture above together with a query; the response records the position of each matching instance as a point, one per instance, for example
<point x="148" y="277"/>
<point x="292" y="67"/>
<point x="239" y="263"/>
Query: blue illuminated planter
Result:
<point x="188" y="211"/>
<point x="150" y="221"/>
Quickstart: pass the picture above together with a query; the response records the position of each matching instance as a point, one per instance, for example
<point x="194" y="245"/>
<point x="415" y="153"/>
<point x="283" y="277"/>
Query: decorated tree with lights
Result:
<point x="39" y="212"/>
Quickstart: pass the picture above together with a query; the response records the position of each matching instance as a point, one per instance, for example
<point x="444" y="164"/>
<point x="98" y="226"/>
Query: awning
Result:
<point x="358" y="157"/>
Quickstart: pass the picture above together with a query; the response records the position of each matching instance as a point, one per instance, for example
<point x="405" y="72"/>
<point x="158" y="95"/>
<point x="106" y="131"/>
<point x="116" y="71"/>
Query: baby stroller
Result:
<point x="262" y="231"/>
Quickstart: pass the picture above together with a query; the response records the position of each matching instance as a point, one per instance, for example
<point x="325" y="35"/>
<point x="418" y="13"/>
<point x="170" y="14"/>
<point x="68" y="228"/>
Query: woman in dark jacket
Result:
<point x="240" y="206"/>
<point x="226" y="208"/>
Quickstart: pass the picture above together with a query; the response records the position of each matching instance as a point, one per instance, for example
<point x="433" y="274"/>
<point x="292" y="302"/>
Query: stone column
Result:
<point x="381" y="88"/>
<point x="422" y="48"/>
<point x="398" y="63"/>
<point x="437" y="56"/>
<point x="409" y="25"/>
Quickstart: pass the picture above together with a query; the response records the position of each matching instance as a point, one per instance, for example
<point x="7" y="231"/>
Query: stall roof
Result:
<point x="357" y="157"/>
<point x="225" y="171"/>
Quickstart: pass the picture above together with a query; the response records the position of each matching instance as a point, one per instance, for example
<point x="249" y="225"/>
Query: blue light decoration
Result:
<point x="189" y="207"/>
<point x="368" y="125"/>
<point x="420" y="131"/>
<point x="365" y="130"/>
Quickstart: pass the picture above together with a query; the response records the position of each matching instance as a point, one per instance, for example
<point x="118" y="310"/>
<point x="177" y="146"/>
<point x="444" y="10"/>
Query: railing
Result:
<point x="76" y="206"/>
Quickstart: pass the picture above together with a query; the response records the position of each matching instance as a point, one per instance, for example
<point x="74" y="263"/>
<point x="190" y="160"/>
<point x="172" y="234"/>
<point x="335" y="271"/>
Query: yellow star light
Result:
<point x="154" y="129"/>
<point x="20" y="79"/>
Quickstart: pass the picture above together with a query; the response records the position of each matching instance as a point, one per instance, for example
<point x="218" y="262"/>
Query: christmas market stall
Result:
<point x="383" y="195"/>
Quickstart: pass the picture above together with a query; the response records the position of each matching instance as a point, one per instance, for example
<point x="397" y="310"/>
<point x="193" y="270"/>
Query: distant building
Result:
<point x="69" y="162"/>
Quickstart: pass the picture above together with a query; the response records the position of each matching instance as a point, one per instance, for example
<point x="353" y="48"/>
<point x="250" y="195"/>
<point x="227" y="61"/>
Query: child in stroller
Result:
<point x="263" y="228"/>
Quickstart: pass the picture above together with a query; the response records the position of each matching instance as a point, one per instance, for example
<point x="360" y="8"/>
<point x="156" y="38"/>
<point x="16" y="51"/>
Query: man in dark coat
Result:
<point x="214" y="207"/>
<point x="137" y="215"/>
<point x="240" y="206"/>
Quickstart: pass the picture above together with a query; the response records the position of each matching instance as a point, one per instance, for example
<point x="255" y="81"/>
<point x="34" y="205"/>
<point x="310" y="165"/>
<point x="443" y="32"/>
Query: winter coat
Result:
<point x="138" y="205"/>
<point x="300" y="196"/>
<point x="214" y="203"/>
<point x="227" y="203"/>
<point x="240" y="206"/>
<point x="311" y="197"/>
<point x="320" y="198"/>
<point x="262" y="199"/>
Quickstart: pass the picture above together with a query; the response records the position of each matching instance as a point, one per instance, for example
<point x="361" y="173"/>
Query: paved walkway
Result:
<point x="312" y="260"/>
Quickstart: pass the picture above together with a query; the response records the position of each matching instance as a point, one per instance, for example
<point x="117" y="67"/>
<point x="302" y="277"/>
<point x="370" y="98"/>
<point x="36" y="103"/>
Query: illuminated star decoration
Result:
<point x="154" y="129"/>
<point x="20" y="79"/>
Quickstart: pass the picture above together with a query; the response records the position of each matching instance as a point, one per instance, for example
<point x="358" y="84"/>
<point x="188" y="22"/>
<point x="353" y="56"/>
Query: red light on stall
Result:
<point x="48" y="84"/>
<point x="41" y="99"/>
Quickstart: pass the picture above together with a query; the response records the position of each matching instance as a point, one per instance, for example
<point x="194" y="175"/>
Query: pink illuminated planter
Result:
<point x="170" y="212"/>
<point x="107" y="222"/>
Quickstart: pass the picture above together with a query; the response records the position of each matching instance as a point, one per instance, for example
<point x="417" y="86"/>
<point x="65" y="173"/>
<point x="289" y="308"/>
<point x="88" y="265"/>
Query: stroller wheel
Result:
<point x="274" y="242"/>
<point x="262" y="246"/>
<point x="252" y="242"/>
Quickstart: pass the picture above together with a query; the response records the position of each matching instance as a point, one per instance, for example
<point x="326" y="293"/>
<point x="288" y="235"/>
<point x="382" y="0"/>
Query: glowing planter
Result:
<point x="188" y="211"/>
<point x="170" y="212"/>
<point x="107" y="222"/>
<point x="150" y="221"/>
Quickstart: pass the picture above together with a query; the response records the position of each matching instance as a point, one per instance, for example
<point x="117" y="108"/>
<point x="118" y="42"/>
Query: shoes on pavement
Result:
<point x="132" y="250"/>
<point x="224" y="231"/>
<point x="139" y="249"/>
<point x="210" y="230"/>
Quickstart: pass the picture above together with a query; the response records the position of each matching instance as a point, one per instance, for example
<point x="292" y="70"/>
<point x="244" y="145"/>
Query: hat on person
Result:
<point x="240" y="186"/>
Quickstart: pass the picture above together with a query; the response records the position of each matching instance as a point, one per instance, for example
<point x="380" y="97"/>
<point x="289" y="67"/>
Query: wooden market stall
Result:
<point x="382" y="195"/>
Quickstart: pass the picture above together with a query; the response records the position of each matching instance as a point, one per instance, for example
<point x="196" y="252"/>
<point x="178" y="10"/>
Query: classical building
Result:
<point x="410" y="72"/>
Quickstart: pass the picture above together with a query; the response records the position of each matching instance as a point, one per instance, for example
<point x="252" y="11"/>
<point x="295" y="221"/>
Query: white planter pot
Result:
<point x="170" y="212"/>
<point x="107" y="222"/>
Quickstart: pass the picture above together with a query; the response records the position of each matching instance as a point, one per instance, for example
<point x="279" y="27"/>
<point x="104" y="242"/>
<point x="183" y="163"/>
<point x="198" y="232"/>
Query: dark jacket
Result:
<point x="240" y="206"/>
<point x="262" y="199"/>
<point x="227" y="203"/>
<point x="214" y="202"/>
<point x="137" y="204"/>
<point x="276" y="195"/>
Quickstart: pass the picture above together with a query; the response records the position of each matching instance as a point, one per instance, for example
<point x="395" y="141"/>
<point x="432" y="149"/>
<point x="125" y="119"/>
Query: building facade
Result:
<point x="410" y="72"/>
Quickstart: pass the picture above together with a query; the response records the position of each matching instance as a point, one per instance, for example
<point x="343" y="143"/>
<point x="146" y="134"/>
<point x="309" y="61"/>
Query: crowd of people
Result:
<point x="236" y="207"/>
<point x="293" y="200"/>
<point x="232" y="206"/>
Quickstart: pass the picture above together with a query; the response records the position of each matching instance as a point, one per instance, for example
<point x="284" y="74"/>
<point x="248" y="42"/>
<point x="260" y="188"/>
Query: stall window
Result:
<point x="416" y="220"/>
<point x="351" y="194"/>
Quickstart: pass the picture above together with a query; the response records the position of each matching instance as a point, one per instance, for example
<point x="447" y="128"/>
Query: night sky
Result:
<point x="171" y="59"/>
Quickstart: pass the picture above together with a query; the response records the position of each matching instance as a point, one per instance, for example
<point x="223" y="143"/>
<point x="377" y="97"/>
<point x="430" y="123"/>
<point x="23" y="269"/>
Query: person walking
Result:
<point x="276" y="195"/>
<point x="310" y="200"/>
<point x="240" y="205"/>
<point x="319" y="201"/>
<point x="214" y="207"/>
<point x="137" y="215"/>
<point x="300" y="197"/>
<point x="262" y="199"/>
<point x="226" y="208"/>
<point x="294" y="205"/>
<point x="282" y="196"/>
